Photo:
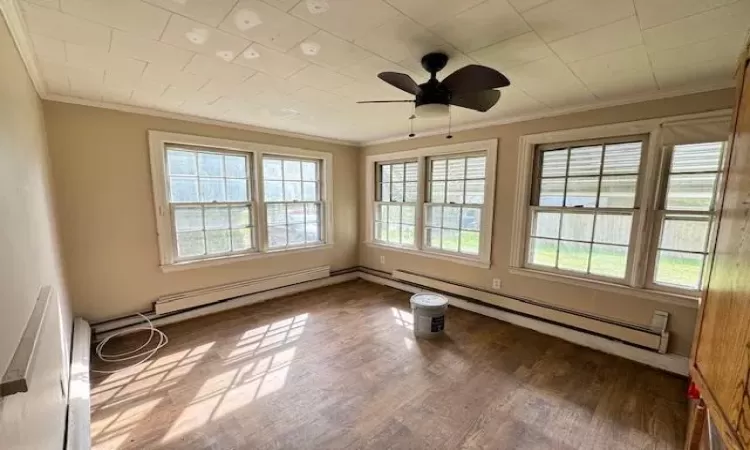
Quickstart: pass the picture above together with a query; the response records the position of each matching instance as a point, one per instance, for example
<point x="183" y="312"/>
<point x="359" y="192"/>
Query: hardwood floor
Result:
<point x="338" y="368"/>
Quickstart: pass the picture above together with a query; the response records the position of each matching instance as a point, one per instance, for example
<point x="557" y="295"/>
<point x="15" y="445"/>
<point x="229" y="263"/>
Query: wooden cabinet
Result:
<point x="721" y="353"/>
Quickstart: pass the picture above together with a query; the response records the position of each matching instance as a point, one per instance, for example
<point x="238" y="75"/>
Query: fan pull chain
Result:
<point x="449" y="136"/>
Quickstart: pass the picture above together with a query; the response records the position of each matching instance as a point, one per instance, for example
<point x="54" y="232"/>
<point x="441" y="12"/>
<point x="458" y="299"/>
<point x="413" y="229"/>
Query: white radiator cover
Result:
<point x="199" y="297"/>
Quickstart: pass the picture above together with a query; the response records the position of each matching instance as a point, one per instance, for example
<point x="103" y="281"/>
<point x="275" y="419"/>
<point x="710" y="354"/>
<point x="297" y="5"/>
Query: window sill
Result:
<point x="686" y="301"/>
<point x="474" y="262"/>
<point x="210" y="262"/>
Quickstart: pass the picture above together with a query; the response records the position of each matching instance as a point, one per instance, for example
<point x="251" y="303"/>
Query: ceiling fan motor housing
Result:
<point x="432" y="92"/>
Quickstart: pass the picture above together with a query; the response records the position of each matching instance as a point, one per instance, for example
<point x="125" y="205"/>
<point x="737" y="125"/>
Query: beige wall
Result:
<point x="28" y="260"/>
<point x="100" y="164"/>
<point x="601" y="303"/>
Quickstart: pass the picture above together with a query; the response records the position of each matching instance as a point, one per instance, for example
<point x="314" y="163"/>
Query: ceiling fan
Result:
<point x="471" y="87"/>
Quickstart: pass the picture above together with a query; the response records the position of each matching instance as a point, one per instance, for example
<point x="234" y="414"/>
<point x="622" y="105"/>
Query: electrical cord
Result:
<point x="144" y="355"/>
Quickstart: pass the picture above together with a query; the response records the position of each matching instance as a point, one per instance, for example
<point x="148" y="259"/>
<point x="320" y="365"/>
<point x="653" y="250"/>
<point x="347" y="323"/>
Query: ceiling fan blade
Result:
<point x="478" y="101"/>
<point x="401" y="81"/>
<point x="387" y="101"/>
<point x="474" y="78"/>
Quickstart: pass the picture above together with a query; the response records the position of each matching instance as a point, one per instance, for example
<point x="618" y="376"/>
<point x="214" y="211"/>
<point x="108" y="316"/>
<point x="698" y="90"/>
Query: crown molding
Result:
<point x="11" y="10"/>
<point x="659" y="95"/>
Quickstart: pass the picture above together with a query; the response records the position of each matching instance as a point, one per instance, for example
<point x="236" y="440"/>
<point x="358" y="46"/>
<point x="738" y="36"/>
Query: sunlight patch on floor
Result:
<point x="403" y="318"/>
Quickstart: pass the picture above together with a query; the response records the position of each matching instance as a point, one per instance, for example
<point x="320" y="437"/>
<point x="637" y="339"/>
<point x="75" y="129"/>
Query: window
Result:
<point x="584" y="207"/>
<point x="395" y="210"/>
<point x="635" y="209"/>
<point x="686" y="214"/>
<point x="435" y="201"/>
<point x="219" y="200"/>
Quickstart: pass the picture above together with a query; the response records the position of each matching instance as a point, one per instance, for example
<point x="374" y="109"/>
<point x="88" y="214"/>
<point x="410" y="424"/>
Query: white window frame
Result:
<point x="644" y="235"/>
<point x="158" y="142"/>
<point x="486" y="147"/>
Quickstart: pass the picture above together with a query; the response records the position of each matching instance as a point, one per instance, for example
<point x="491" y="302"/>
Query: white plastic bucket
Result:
<point x="428" y="312"/>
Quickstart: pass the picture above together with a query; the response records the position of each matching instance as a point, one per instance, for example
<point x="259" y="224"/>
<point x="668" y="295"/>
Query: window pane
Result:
<point x="678" y="269"/>
<point x="397" y="173"/>
<point x="394" y="214"/>
<point x="543" y="252"/>
<point x="217" y="241"/>
<point x="450" y="240"/>
<point x="394" y="233"/>
<point x="432" y="237"/>
<point x="437" y="192"/>
<point x="456" y="169"/>
<point x="381" y="213"/>
<point x="574" y="256"/>
<point x="277" y="236"/>
<point x="188" y="219"/>
<point x="273" y="191"/>
<point x="240" y="216"/>
<point x="411" y="171"/>
<point x="546" y="224"/>
<point x="312" y="232"/>
<point x="271" y="169"/>
<point x="609" y="260"/>
<point x="408" y="215"/>
<point x="292" y="170"/>
<point x="554" y="163"/>
<point x="585" y="161"/>
<point x="242" y="239"/>
<point x="455" y="192"/>
<point x="236" y="166"/>
<point x="309" y="171"/>
<point x="183" y="189"/>
<point x="385" y="173"/>
<point x="379" y="231"/>
<point x="577" y="226"/>
<point x="210" y="165"/>
<point x="410" y="195"/>
<point x="212" y="190"/>
<point x="470" y="242"/>
<point x="437" y="170"/>
<point x="295" y="213"/>
<point x="407" y="234"/>
<point x="679" y="233"/>
<point x="296" y="234"/>
<point x="181" y="163"/>
<point x="690" y="192"/>
<point x="309" y="191"/>
<point x="236" y="190"/>
<point x="190" y="244"/>
<point x="582" y="192"/>
<point x="622" y="158"/>
<point x="475" y="167"/>
<point x="552" y="192"/>
<point x="276" y="214"/>
<point x="471" y="219"/>
<point x="451" y="217"/>
<point x="618" y="192"/>
<point x="613" y="228"/>
<point x="216" y="217"/>
<point x="434" y="216"/>
<point x="292" y="191"/>
<point x="475" y="192"/>
<point x="696" y="157"/>
<point x="312" y="213"/>
<point x="385" y="192"/>
<point x="397" y="192"/>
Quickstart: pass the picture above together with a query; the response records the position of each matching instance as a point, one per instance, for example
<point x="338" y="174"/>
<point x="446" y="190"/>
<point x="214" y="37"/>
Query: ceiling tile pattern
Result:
<point x="301" y="65"/>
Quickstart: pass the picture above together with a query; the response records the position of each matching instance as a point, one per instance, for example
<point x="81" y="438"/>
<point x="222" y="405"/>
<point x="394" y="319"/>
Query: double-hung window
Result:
<point x="435" y="201"/>
<point x="217" y="200"/>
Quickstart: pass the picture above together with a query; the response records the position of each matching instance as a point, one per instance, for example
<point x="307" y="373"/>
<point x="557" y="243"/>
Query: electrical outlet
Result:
<point x="496" y="283"/>
<point x="382" y="260"/>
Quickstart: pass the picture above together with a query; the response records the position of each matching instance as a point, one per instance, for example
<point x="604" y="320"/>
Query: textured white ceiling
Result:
<point x="243" y="60"/>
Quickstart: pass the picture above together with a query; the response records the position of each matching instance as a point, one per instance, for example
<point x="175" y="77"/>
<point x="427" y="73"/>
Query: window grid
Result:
<point x="396" y="200"/>
<point x="463" y="208"/>
<point x="581" y="250"/>
<point x="292" y="198"/>
<point x="192" y="202"/>
<point x="686" y="220"/>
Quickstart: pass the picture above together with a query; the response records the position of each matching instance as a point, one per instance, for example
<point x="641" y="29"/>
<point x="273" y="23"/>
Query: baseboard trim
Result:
<point x="78" y="429"/>
<point x="668" y="362"/>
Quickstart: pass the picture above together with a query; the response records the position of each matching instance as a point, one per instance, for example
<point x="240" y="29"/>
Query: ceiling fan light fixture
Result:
<point x="432" y="110"/>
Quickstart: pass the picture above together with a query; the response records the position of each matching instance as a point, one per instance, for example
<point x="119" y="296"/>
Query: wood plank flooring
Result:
<point x="338" y="368"/>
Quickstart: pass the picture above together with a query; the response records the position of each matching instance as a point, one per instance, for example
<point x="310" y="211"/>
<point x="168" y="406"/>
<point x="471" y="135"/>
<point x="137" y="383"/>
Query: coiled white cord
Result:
<point x="144" y="355"/>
